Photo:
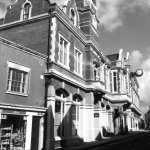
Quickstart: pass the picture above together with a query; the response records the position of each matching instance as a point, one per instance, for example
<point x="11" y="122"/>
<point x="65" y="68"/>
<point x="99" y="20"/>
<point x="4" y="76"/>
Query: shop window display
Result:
<point x="12" y="135"/>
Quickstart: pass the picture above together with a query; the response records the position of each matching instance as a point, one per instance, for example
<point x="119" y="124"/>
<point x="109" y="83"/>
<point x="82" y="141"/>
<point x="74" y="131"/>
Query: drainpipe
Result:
<point x="46" y="77"/>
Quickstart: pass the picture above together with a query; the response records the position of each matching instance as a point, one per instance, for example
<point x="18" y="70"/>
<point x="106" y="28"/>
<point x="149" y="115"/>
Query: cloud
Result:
<point x="3" y="6"/>
<point x="138" y="62"/>
<point x="112" y="12"/>
<point x="136" y="57"/>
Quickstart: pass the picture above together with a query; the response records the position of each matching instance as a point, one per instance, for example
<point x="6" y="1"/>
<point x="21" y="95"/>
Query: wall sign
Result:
<point x="96" y="115"/>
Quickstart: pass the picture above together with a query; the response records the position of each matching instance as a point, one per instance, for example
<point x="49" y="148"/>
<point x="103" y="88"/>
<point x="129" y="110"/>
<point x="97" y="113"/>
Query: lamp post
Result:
<point x="137" y="73"/>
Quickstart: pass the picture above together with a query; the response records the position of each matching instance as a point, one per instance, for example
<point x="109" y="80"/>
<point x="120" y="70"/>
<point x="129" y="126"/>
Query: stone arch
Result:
<point x="77" y="96"/>
<point x="61" y="91"/>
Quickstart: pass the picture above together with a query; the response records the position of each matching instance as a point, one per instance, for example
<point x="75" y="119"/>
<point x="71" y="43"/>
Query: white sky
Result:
<point x="123" y="24"/>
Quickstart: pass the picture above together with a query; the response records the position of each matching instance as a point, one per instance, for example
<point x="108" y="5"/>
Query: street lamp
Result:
<point x="137" y="73"/>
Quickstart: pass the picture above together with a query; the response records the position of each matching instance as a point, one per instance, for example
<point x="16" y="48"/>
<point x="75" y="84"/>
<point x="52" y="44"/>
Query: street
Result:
<point x="141" y="142"/>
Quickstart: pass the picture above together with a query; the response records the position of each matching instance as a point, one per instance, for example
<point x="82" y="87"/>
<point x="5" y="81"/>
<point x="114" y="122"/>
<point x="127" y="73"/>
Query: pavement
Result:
<point x="105" y="141"/>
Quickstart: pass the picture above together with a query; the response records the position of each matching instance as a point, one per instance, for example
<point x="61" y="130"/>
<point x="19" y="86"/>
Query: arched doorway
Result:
<point x="77" y="100"/>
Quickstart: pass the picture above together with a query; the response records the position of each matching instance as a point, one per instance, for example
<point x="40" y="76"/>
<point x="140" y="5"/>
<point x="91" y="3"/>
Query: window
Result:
<point x="59" y="116"/>
<point x="17" y="81"/>
<point x="73" y="16"/>
<point x="114" y="81"/>
<point x="123" y="82"/>
<point x="78" y="62"/>
<point x="102" y="72"/>
<point x="107" y="79"/>
<point x="63" y="51"/>
<point x="59" y="128"/>
<point x="96" y="72"/>
<point x="26" y="12"/>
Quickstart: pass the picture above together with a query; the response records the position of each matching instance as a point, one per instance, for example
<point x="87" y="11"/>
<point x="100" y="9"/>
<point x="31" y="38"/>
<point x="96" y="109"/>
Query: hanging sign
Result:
<point x="96" y="114"/>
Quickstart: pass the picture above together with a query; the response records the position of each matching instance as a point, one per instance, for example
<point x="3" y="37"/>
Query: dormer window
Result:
<point x="26" y="11"/>
<point x="73" y="16"/>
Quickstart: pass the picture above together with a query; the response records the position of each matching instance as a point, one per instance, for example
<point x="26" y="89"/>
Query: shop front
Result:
<point x="21" y="130"/>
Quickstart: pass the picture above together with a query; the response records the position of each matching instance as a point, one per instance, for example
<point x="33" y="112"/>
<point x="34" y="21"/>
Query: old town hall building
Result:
<point x="57" y="86"/>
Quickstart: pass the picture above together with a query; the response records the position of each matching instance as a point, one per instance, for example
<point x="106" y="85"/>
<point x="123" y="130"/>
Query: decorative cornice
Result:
<point x="22" y="107"/>
<point x="22" y="48"/>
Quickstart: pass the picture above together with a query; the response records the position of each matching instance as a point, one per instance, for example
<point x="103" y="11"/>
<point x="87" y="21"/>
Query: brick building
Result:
<point x="21" y="100"/>
<point x="85" y="92"/>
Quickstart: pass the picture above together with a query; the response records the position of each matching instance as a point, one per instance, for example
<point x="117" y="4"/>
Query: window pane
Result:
<point x="17" y="81"/>
<point x="61" y="51"/>
<point x="115" y="81"/>
<point x="57" y="106"/>
<point x="79" y="61"/>
<point x="65" y="53"/>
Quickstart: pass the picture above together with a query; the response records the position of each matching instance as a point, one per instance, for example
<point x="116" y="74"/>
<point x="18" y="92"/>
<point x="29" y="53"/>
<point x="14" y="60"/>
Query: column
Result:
<point x="28" y="132"/>
<point x="41" y="133"/>
<point x="88" y="118"/>
<point x="110" y="120"/>
<point x="68" y="117"/>
<point x="50" y="116"/>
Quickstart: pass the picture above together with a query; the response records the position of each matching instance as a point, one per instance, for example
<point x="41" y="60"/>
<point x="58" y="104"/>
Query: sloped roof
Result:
<point x="113" y="57"/>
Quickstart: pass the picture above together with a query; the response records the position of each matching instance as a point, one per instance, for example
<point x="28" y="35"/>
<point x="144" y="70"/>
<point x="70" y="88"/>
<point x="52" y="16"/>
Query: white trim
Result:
<point x="20" y="107"/>
<point x="68" y="52"/>
<point x="53" y="39"/>
<point x="22" y="10"/>
<point x="26" y="72"/>
<point x="19" y="21"/>
<point x="114" y="71"/>
<point x="74" y="17"/>
<point x="81" y="62"/>
<point x="18" y="67"/>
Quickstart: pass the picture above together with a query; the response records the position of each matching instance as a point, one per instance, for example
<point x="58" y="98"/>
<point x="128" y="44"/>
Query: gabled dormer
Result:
<point x="23" y="10"/>
<point x="87" y="10"/>
<point x="72" y="12"/>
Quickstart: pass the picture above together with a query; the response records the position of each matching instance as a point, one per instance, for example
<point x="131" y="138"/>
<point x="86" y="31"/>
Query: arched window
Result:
<point x="73" y="16"/>
<point x="26" y="11"/>
<point x="59" y="129"/>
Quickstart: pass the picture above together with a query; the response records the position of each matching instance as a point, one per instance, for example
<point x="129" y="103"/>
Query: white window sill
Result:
<point x="67" y="66"/>
<point x="78" y="74"/>
<point x="15" y="93"/>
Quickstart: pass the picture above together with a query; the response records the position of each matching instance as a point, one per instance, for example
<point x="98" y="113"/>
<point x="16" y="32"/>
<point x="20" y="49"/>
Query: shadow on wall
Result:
<point x="66" y="124"/>
<point x="105" y="132"/>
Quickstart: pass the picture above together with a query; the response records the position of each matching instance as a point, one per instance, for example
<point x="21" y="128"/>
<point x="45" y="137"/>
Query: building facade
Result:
<point x="87" y="94"/>
<point x="21" y="97"/>
<point x="124" y="93"/>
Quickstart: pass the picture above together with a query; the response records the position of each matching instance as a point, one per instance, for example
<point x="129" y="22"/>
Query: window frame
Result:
<point x="107" y="80"/>
<point x="102" y="72"/>
<point x="22" y="11"/>
<point x="113" y="90"/>
<point x="62" y="113"/>
<point x="68" y="52"/>
<point x="76" y="62"/>
<point x="23" y="69"/>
